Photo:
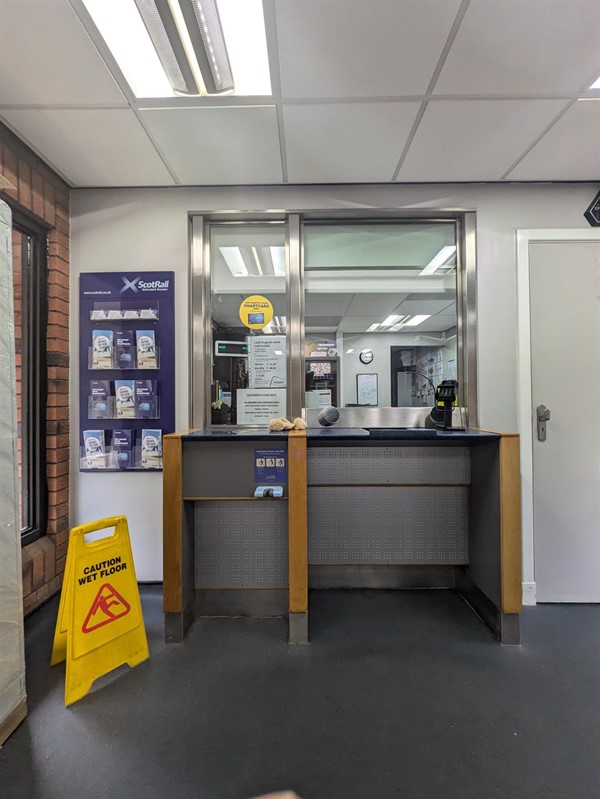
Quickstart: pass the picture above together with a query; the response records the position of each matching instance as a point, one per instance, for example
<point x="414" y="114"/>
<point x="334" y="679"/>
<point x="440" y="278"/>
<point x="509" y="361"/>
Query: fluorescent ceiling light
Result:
<point x="125" y="34"/>
<point x="441" y="259"/>
<point x="189" y="41"/>
<point x="235" y="262"/>
<point x="373" y="327"/>
<point x="416" y="320"/>
<point x="170" y="47"/>
<point x="349" y="351"/>
<point x="202" y="16"/>
<point x="278" y="258"/>
<point x="257" y="261"/>
<point x="244" y="30"/>
<point x="596" y="84"/>
<point x="278" y="352"/>
<point x="268" y="328"/>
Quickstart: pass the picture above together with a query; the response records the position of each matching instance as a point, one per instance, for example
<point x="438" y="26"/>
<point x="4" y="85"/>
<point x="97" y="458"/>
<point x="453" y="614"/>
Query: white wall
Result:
<point x="129" y="229"/>
<point x="380" y="344"/>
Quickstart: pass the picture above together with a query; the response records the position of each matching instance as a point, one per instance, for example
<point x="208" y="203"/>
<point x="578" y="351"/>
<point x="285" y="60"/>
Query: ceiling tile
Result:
<point x="512" y="46"/>
<point x="219" y="145"/>
<point x="322" y="304"/>
<point x="358" y="323"/>
<point x="360" y="49"/>
<point x="48" y="58"/>
<point x="417" y="307"/>
<point x="345" y="143"/>
<point x="93" y="148"/>
<point x="382" y="306"/>
<point x="465" y="140"/>
<point x="569" y="151"/>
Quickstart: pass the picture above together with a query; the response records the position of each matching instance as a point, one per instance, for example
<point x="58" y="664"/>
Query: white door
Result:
<point x="565" y="377"/>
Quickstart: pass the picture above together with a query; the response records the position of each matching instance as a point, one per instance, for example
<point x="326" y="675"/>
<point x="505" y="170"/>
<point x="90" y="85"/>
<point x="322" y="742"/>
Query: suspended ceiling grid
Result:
<point x="364" y="91"/>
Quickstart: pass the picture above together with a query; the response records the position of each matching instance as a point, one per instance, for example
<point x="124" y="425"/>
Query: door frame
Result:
<point x="525" y="238"/>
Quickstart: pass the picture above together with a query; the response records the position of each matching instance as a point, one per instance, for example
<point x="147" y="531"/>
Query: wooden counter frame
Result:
<point x="178" y="588"/>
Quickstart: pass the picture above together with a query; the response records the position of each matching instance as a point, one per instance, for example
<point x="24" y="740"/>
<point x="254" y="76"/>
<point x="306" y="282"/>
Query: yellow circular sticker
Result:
<point x="256" y="312"/>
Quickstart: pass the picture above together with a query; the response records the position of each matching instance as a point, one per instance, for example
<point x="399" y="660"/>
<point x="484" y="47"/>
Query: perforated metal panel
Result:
<point x="241" y="544"/>
<point x="388" y="525"/>
<point x="389" y="465"/>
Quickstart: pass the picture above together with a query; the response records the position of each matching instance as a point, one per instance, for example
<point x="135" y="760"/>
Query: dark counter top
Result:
<point x="347" y="434"/>
<point x="233" y="435"/>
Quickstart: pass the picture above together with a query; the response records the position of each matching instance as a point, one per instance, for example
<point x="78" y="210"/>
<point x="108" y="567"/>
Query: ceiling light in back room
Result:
<point x="444" y="256"/>
<point x="596" y="84"/>
<point x="391" y="320"/>
<point x="416" y="320"/>
<point x="186" y="47"/>
<point x="278" y="257"/>
<point x="234" y="260"/>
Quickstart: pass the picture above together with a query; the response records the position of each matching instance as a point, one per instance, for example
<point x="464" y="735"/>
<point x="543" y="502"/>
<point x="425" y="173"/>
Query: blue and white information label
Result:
<point x="270" y="466"/>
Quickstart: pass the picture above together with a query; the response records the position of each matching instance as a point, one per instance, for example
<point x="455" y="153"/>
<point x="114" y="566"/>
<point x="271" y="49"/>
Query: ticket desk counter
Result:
<point x="382" y="508"/>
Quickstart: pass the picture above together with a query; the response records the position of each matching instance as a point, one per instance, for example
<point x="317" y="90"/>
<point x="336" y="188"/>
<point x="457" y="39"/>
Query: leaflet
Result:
<point x="122" y="448"/>
<point x="146" y="399"/>
<point x="124" y="349"/>
<point x="95" y="451"/>
<point x="124" y="399"/>
<point x="146" y="349"/>
<point x="102" y="349"/>
<point x="151" y="457"/>
<point x="100" y="399"/>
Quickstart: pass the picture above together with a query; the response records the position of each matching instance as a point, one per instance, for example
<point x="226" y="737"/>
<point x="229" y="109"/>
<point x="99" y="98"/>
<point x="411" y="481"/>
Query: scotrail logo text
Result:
<point x="137" y="284"/>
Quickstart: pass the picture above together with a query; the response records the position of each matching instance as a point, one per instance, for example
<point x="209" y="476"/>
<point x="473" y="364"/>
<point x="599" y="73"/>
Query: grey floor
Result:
<point x="399" y="694"/>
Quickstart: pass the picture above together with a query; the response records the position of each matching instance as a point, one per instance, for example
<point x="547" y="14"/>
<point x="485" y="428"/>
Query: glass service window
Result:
<point x="380" y="312"/>
<point x="248" y="381"/>
<point x="29" y="294"/>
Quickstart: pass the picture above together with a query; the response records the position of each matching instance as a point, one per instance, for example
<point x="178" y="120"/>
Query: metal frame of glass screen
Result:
<point x="200" y="296"/>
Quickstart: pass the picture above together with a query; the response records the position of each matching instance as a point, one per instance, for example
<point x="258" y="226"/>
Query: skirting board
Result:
<point x="380" y="576"/>
<point x="233" y="602"/>
<point x="12" y="721"/>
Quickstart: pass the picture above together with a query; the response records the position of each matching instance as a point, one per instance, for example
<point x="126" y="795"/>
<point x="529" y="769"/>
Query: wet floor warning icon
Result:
<point x="108" y="606"/>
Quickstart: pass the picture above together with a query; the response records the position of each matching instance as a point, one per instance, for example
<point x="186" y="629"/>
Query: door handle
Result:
<point x="543" y="416"/>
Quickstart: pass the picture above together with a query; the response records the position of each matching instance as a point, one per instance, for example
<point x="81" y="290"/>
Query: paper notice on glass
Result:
<point x="259" y="407"/>
<point x="266" y="362"/>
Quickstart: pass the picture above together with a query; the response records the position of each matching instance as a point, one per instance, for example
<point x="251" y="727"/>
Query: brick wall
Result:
<point x="45" y="197"/>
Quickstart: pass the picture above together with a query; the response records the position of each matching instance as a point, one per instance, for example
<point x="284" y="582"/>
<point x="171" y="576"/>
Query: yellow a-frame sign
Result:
<point x="100" y="624"/>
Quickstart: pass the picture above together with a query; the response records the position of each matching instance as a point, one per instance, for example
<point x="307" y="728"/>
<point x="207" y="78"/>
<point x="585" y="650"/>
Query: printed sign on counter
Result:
<point x="269" y="466"/>
<point x="259" y="407"/>
<point x="266" y="362"/>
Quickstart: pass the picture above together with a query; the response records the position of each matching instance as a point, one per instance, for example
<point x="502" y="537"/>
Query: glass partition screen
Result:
<point x="248" y="339"/>
<point x="380" y="313"/>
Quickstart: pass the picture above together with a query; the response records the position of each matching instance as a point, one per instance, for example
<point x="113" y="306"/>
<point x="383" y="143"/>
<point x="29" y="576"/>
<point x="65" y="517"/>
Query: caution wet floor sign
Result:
<point x="100" y="624"/>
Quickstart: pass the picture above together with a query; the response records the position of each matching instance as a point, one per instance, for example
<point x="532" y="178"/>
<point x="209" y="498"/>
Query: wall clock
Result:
<point x="366" y="356"/>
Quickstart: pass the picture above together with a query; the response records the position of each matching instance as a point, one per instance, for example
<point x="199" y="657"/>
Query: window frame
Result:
<point x="34" y="373"/>
<point x="295" y="220"/>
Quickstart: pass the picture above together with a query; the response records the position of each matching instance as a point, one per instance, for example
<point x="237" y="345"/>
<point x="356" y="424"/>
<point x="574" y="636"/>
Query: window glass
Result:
<point x="380" y="313"/>
<point x="20" y="250"/>
<point x="30" y="315"/>
<point x="248" y="323"/>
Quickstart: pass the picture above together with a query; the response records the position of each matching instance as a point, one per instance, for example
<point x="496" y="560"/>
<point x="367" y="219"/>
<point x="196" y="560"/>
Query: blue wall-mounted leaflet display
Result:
<point x="127" y="369"/>
<point x="270" y="466"/>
